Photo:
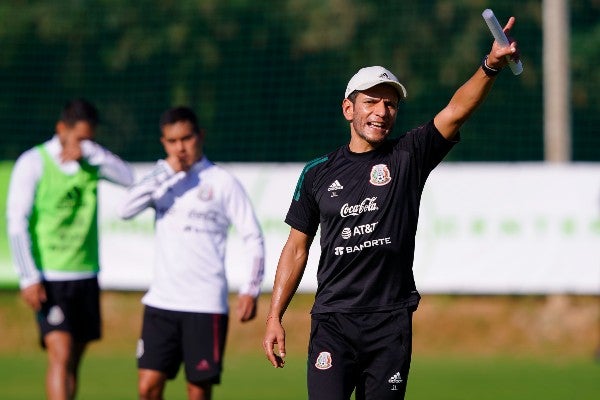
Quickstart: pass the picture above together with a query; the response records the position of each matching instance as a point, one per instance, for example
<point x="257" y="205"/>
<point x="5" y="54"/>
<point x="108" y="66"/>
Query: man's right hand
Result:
<point x="178" y="164"/>
<point x="34" y="295"/>
<point x="275" y="334"/>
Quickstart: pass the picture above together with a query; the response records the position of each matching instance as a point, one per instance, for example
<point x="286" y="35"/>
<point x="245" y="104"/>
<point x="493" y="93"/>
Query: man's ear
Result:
<point x="60" y="127"/>
<point x="348" y="110"/>
<point x="62" y="130"/>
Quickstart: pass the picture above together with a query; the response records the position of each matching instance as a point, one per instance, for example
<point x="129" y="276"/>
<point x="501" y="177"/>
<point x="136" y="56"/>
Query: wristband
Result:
<point x="489" y="71"/>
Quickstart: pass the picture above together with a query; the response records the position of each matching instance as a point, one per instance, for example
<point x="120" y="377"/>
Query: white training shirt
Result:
<point x="24" y="179"/>
<point x="193" y="213"/>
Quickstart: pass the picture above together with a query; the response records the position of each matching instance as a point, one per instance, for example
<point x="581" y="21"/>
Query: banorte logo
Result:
<point x="366" y="205"/>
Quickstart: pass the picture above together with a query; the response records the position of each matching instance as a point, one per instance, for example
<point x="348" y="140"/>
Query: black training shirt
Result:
<point x="367" y="205"/>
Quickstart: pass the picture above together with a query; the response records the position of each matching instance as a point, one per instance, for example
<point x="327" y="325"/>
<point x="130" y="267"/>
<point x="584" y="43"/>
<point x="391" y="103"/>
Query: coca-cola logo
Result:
<point x="366" y="205"/>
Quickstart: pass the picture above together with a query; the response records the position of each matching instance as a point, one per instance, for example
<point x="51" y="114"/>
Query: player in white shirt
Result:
<point x="186" y="306"/>
<point x="53" y="231"/>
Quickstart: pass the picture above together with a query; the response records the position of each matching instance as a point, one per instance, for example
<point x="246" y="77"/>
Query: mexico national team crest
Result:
<point x="323" y="360"/>
<point x="380" y="175"/>
<point x="205" y="192"/>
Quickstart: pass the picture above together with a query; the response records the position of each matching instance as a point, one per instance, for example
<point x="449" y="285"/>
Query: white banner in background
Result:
<point x="483" y="229"/>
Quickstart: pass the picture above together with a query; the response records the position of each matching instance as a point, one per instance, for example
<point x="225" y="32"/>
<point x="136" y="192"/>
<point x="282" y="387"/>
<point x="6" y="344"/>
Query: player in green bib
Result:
<point x="52" y="211"/>
<point x="63" y="223"/>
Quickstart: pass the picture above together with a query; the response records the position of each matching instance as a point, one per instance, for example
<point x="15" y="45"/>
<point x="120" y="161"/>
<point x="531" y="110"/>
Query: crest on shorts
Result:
<point x="380" y="175"/>
<point x="55" y="316"/>
<point x="139" y="351"/>
<point x="323" y="360"/>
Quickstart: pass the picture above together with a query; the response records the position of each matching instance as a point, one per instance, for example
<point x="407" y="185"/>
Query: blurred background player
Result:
<point x="365" y="197"/>
<point x="186" y="308"/>
<point x="53" y="231"/>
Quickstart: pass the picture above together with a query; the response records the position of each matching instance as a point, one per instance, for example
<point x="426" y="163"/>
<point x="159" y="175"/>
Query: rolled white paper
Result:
<point x="501" y="39"/>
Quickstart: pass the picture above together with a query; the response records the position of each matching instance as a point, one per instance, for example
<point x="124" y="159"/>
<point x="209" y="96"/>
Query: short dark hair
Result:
<point x="180" y="114"/>
<point x="77" y="110"/>
<point x="352" y="96"/>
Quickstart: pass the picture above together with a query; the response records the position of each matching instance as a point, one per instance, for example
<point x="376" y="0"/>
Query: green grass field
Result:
<point x="250" y="377"/>
<point x="501" y="349"/>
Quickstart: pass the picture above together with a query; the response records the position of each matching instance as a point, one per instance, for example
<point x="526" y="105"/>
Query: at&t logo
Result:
<point x="347" y="233"/>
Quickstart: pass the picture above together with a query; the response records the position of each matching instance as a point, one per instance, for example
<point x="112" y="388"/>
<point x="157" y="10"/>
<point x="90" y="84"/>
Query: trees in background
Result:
<point x="267" y="77"/>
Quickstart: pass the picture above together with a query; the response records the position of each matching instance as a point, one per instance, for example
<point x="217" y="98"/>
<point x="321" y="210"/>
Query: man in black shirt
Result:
<point x="365" y="197"/>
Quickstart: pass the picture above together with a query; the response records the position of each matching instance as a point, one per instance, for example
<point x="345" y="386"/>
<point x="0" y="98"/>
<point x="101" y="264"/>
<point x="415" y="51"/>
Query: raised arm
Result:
<point x="142" y="194"/>
<point x="290" y="269"/>
<point x="473" y="92"/>
<point x="112" y="168"/>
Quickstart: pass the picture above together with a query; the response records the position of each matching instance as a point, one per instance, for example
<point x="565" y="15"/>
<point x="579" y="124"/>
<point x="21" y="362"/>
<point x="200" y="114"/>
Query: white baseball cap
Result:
<point x="368" y="77"/>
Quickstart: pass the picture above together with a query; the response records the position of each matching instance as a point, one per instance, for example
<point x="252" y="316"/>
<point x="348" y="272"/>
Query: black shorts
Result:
<point x="366" y="353"/>
<point x="172" y="337"/>
<point x="71" y="306"/>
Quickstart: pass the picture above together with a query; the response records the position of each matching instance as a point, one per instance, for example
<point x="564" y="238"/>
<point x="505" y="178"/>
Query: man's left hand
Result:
<point x="246" y="308"/>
